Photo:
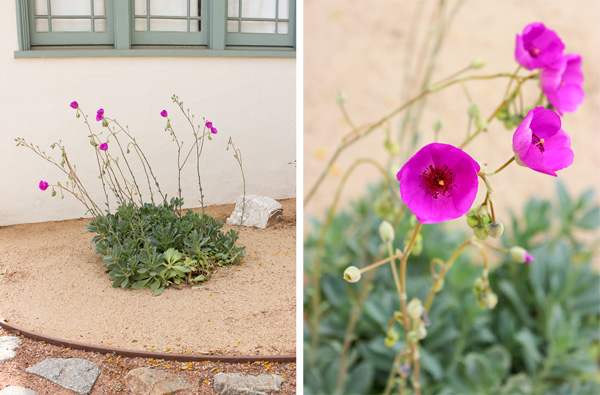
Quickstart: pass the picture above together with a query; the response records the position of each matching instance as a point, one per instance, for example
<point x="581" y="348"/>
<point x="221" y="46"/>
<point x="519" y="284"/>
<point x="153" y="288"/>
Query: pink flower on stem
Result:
<point x="100" y="114"/>
<point x="103" y="146"/>
<point x="213" y="130"/>
<point x="163" y="113"/>
<point x="208" y="124"/>
<point x="43" y="185"/>
<point x="74" y="104"/>
<point x="538" y="46"/>
<point x="561" y="82"/>
<point x="439" y="183"/>
<point x="520" y="255"/>
<point x="540" y="143"/>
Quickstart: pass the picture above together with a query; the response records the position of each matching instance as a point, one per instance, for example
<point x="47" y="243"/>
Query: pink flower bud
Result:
<point x="74" y="104"/>
<point x="43" y="185"/>
<point x="103" y="146"/>
<point x="100" y="114"/>
<point x="163" y="113"/>
<point x="213" y="130"/>
<point x="208" y="124"/>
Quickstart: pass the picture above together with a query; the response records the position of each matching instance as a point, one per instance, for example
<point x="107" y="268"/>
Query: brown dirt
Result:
<point x="52" y="283"/>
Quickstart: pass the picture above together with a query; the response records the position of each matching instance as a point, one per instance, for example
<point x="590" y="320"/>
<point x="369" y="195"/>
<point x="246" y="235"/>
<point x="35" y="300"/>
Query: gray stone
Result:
<point x="7" y="348"/>
<point x="76" y="374"/>
<point x="260" y="211"/>
<point x="12" y="390"/>
<point x="243" y="384"/>
<point x="147" y="381"/>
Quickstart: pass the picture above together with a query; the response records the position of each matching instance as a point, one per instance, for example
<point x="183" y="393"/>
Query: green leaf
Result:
<point x="335" y="290"/>
<point x="530" y="353"/>
<point x="140" y="284"/>
<point x="590" y="219"/>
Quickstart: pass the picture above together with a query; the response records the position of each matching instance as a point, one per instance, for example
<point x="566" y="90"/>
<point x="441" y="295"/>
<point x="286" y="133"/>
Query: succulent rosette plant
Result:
<point x="541" y="144"/>
<point x="439" y="183"/>
<point x="538" y="46"/>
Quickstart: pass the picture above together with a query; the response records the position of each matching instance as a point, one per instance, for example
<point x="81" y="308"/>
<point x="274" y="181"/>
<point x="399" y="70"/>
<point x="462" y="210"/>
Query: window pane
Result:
<point x="195" y="25"/>
<point x="282" y="28"/>
<point x="258" y="9"/>
<point x="232" y="26"/>
<point x="258" y="27"/>
<point x="168" y="25"/>
<point x="169" y="8"/>
<point x="41" y="8"/>
<point x="284" y="9"/>
<point x="99" y="25"/>
<point x="71" y="25"/>
<point x="99" y="7"/>
<point x="233" y="8"/>
<point x="140" y="7"/>
<point x="41" y="25"/>
<point x="69" y="7"/>
<point x="141" y="25"/>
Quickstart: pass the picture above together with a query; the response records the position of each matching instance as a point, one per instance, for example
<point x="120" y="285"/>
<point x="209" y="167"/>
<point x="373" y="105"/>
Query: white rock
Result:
<point x="7" y="347"/>
<point x="259" y="211"/>
<point x="13" y="390"/>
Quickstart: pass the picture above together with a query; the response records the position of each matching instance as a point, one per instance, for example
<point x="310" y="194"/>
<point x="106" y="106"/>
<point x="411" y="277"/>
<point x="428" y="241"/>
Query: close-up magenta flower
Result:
<point x="43" y="185"/>
<point x="163" y="113"/>
<point x="103" y="146"/>
<point x="213" y="130"/>
<point x="208" y="124"/>
<point x="540" y="143"/>
<point x="74" y="104"/>
<point x="439" y="183"/>
<point x="561" y="82"/>
<point x="100" y="114"/>
<point x="538" y="46"/>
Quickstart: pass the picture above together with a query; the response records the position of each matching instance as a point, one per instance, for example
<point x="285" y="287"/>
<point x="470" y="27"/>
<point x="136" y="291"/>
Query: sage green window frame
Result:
<point x="117" y="40"/>
<point x="271" y="39"/>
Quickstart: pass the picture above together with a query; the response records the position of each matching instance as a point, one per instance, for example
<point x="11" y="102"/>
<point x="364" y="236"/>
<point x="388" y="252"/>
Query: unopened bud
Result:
<point x="478" y="286"/>
<point x="386" y="231"/>
<point x="477" y="63"/>
<point x="490" y="300"/>
<point x="417" y="248"/>
<point x="472" y="221"/>
<point x="391" y="338"/>
<point x="438" y="125"/>
<point x="495" y="230"/>
<point x="415" y="309"/>
<point x="421" y="332"/>
<point x="473" y="110"/>
<point x="480" y="232"/>
<point x="340" y="99"/>
<point x="352" y="274"/>
<point x="481" y="123"/>
<point x="520" y="255"/>
<point x="412" y="337"/>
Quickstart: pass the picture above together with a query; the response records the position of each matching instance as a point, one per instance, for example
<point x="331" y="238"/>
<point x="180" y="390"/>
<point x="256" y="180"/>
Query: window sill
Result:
<point x="151" y="51"/>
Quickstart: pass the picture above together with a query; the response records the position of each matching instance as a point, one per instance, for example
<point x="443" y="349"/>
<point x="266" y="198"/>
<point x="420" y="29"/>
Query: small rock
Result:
<point x="12" y="390"/>
<point x="243" y="384"/>
<point x="147" y="381"/>
<point x="7" y="348"/>
<point x="260" y="211"/>
<point x="76" y="374"/>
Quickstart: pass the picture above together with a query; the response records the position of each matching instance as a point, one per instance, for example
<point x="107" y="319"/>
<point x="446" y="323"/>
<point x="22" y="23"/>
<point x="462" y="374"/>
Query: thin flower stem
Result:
<point x="511" y="80"/>
<point x="394" y="271"/>
<point x="403" y="275"/>
<point x="416" y="381"/>
<point x="379" y="263"/>
<point x="493" y="247"/>
<point x="508" y="162"/>
<point x="357" y="136"/>
<point x="442" y="274"/>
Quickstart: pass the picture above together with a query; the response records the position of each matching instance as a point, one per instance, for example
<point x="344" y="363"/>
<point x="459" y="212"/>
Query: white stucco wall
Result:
<point x="250" y="99"/>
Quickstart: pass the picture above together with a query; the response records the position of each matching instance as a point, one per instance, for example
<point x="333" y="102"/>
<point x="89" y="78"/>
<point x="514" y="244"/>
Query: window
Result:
<point x="156" y="27"/>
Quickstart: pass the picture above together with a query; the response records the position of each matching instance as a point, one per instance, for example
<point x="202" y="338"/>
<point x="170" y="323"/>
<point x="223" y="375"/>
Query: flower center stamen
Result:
<point x="535" y="140"/>
<point x="437" y="181"/>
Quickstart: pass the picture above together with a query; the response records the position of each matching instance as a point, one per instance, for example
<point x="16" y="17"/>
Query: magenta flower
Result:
<point x="520" y="255"/>
<point x="163" y="113"/>
<point x="538" y="46"/>
<point x="103" y="146"/>
<point x="43" y="185"/>
<point x="100" y="114"/>
<point x="540" y="143"/>
<point x="561" y="82"/>
<point x="208" y="124"/>
<point x="439" y="183"/>
<point x="213" y="130"/>
<point x="74" y="104"/>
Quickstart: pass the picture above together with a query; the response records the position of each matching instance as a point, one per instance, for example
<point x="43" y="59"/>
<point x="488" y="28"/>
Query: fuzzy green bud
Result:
<point x="386" y="231"/>
<point x="417" y="248"/>
<point x="481" y="123"/>
<point x="472" y="222"/>
<point x="485" y="219"/>
<point x="473" y="110"/>
<point x="340" y="98"/>
<point x="438" y="285"/>
<point x="490" y="300"/>
<point x="412" y="337"/>
<point x="480" y="232"/>
<point x="478" y="286"/>
<point x="352" y="274"/>
<point x="421" y="332"/>
<point x="495" y="230"/>
<point x="415" y="309"/>
<point x="477" y="63"/>
<point x="438" y="125"/>
<point x="520" y="255"/>
<point x="391" y="337"/>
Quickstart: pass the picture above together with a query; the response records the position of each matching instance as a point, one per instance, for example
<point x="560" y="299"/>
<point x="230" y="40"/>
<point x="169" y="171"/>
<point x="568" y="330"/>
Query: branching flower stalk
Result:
<point x="237" y="154"/>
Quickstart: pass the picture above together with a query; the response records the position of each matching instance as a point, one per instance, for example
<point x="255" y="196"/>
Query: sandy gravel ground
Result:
<point x="51" y="282"/>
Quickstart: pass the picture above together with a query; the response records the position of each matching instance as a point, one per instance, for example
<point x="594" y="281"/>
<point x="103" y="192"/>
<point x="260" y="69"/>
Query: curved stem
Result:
<point x="508" y="162"/>
<point x="403" y="276"/>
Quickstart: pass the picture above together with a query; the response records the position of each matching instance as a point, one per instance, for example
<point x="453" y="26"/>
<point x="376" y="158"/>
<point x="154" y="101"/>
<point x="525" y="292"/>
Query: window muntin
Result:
<point x="260" y="22"/>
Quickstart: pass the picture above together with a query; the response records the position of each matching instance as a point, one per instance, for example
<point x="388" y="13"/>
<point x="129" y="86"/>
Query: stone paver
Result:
<point x="7" y="348"/>
<point x="148" y="381"/>
<point x="242" y="384"/>
<point x="13" y="390"/>
<point x="76" y="374"/>
<point x="260" y="211"/>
